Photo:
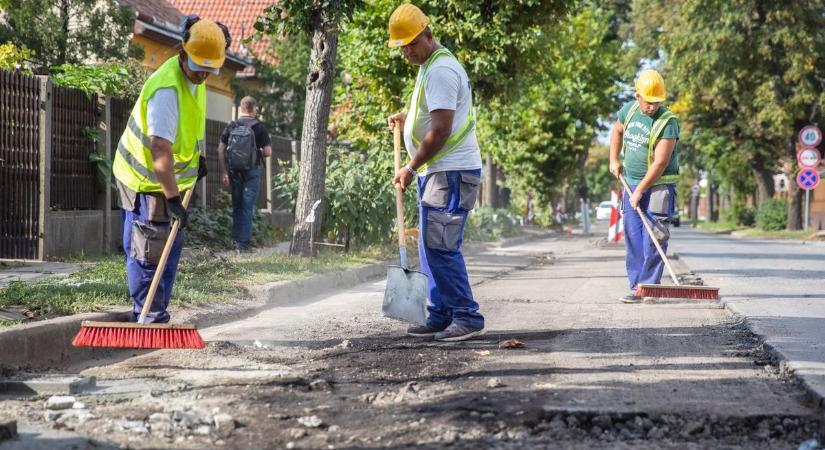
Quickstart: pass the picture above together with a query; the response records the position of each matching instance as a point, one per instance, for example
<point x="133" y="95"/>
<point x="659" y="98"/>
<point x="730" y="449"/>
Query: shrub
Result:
<point x="488" y="224"/>
<point x="359" y="203"/>
<point x="741" y="215"/>
<point x="772" y="215"/>
<point x="212" y="227"/>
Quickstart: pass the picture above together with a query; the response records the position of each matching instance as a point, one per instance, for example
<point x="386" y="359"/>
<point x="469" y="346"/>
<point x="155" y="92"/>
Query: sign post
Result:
<point x="807" y="179"/>
<point x="808" y="159"/>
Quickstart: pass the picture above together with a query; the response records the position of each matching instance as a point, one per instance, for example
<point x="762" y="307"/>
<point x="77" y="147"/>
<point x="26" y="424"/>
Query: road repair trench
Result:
<point x="332" y="373"/>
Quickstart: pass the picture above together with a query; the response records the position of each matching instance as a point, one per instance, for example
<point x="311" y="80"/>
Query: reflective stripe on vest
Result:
<point x="134" y="164"/>
<point x="655" y="133"/>
<point x="418" y="92"/>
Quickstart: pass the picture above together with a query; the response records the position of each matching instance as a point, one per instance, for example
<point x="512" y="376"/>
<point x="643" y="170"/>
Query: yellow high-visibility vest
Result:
<point x="133" y="164"/>
<point x="415" y="105"/>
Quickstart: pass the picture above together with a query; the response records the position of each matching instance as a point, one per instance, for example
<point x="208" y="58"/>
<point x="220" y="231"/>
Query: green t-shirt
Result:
<point x="635" y="143"/>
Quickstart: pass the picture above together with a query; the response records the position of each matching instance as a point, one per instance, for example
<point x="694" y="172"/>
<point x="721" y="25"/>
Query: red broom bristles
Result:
<point x="136" y="337"/>
<point x="691" y="292"/>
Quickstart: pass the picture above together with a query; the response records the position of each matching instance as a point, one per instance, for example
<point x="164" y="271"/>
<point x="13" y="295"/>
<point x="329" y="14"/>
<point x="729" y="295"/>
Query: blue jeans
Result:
<point x="642" y="261"/>
<point x="143" y="241"/>
<point x="245" y="186"/>
<point x="439" y="252"/>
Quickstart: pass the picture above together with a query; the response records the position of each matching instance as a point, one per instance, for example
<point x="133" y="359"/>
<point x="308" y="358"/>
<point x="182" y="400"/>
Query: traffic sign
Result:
<point x="807" y="179"/>
<point x="808" y="157"/>
<point x="810" y="136"/>
<point x="695" y="189"/>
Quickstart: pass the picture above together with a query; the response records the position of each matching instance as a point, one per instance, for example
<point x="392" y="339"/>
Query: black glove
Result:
<point x="175" y="209"/>
<point x="202" y="168"/>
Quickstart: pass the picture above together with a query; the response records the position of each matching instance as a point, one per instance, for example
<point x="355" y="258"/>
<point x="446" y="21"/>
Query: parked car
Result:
<point x="603" y="211"/>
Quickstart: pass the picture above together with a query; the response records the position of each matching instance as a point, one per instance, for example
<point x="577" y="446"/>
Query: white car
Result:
<point x="603" y="211"/>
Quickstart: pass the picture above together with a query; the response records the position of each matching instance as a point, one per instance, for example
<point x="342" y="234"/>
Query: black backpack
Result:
<point x="241" y="149"/>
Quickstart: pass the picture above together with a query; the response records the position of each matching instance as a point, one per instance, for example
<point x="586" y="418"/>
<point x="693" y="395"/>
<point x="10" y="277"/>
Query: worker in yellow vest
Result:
<point x="643" y="149"/>
<point x="159" y="157"/>
<point x="445" y="163"/>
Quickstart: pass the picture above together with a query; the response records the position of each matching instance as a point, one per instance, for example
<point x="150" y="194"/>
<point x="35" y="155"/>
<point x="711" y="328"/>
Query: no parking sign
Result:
<point x="808" y="179"/>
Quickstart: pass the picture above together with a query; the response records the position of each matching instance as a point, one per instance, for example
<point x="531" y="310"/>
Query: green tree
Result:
<point x="320" y="21"/>
<point x="67" y="31"/>
<point x="14" y="58"/>
<point x="747" y="75"/>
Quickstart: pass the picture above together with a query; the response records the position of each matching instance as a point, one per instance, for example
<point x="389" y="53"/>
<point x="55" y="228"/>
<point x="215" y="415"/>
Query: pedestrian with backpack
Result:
<point x="244" y="145"/>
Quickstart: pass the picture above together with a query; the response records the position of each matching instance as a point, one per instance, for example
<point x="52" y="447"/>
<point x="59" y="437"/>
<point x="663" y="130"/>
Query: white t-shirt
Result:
<point x="162" y="112"/>
<point x="445" y="87"/>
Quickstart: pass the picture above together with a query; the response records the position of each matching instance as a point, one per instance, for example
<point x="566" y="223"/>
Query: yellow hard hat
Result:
<point x="406" y="22"/>
<point x="205" y="44"/>
<point x="651" y="86"/>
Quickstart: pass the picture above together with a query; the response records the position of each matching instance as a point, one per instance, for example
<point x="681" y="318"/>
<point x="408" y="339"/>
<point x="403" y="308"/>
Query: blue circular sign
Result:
<point x="807" y="179"/>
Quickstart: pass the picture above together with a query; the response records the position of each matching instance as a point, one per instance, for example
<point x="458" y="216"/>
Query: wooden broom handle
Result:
<point x="173" y="233"/>
<point x="650" y="232"/>
<point x="399" y="191"/>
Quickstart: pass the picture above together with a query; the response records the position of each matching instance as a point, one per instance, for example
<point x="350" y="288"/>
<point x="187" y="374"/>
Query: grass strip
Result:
<point x="203" y="277"/>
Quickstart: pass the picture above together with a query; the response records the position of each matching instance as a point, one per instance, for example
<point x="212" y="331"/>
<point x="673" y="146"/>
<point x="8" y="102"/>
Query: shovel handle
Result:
<point x="650" y="232"/>
<point x="399" y="192"/>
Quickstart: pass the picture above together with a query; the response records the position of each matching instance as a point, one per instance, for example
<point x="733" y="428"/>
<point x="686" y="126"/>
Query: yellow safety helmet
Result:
<point x="406" y="22"/>
<point x="651" y="86"/>
<point x="205" y="44"/>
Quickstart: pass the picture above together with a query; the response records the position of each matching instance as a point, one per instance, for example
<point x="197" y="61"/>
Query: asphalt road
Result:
<point x="330" y="372"/>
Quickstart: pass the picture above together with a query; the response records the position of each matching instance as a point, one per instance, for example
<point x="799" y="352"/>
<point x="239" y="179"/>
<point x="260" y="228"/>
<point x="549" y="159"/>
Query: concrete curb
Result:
<point x="47" y="344"/>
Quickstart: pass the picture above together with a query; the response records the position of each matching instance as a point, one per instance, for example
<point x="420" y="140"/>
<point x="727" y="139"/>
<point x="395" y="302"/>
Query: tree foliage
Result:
<point x="746" y="74"/>
<point x="122" y="80"/>
<point x="67" y="31"/>
<point x="542" y="73"/>
<point x="13" y="57"/>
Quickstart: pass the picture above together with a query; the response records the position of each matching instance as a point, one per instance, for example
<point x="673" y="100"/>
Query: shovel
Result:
<point x="406" y="295"/>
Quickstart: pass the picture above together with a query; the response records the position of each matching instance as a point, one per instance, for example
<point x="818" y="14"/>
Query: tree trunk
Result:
<point x="490" y="188"/>
<point x="795" y="194"/>
<point x="314" y="135"/>
<point x="764" y="180"/>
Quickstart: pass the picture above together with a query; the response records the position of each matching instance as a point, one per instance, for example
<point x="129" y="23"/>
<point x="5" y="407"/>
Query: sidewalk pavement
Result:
<point x="777" y="286"/>
<point x="33" y="271"/>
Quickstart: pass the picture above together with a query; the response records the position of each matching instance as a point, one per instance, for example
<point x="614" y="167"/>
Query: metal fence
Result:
<point x="19" y="165"/>
<point x="74" y="130"/>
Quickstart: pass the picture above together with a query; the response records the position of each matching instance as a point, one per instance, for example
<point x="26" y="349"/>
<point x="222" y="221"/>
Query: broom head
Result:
<point x="691" y="292"/>
<point x="134" y="335"/>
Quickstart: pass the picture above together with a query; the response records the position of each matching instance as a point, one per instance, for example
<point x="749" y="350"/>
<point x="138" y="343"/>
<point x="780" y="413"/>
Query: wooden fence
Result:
<point x="47" y="136"/>
<point x="19" y="165"/>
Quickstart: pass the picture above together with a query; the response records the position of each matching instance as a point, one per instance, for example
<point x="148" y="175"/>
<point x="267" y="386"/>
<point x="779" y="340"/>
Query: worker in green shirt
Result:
<point x="643" y="149"/>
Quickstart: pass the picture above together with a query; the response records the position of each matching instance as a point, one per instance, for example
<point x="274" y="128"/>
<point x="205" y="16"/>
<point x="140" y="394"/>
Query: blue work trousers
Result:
<point x="439" y="252"/>
<point x="245" y="186"/>
<point x="143" y="242"/>
<point x="643" y="263"/>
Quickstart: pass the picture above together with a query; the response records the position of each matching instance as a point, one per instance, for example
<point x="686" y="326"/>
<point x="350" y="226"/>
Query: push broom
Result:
<point x="662" y="291"/>
<point x="142" y="334"/>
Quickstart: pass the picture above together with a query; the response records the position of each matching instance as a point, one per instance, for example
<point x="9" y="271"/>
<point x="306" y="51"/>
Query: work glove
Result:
<point x="202" y="168"/>
<point x="175" y="209"/>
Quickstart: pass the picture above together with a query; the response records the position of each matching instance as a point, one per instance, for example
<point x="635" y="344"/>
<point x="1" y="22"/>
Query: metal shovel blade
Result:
<point x="406" y="295"/>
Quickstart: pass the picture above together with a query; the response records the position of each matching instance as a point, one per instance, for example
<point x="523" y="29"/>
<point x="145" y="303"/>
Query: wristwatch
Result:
<point x="411" y="170"/>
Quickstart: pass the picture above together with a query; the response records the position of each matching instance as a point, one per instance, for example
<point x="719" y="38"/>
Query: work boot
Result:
<point x="457" y="332"/>
<point x="422" y="331"/>
<point x="631" y="298"/>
